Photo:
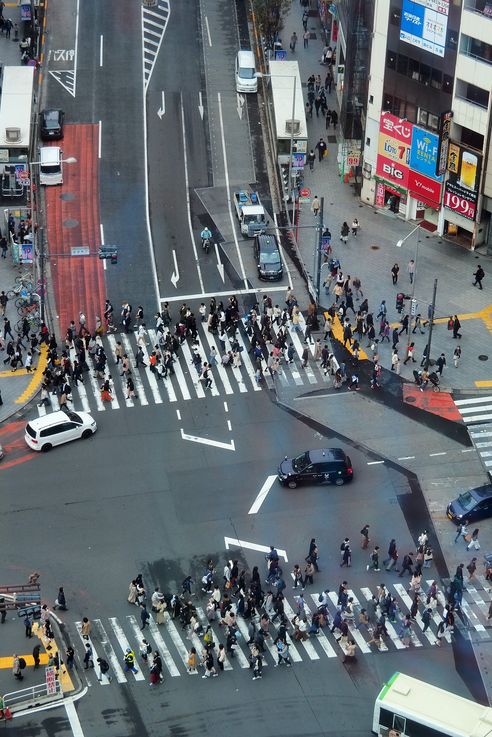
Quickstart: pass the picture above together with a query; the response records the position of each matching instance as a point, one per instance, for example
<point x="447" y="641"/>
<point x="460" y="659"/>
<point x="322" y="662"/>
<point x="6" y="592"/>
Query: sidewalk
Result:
<point x="372" y="254"/>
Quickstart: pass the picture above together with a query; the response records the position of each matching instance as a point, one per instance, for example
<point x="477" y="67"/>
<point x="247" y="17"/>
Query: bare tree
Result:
<point x="270" y="17"/>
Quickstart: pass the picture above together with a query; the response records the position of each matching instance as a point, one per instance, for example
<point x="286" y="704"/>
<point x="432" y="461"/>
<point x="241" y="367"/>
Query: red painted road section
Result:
<point x="14" y="445"/>
<point x="72" y="219"/>
<point x="438" y="403"/>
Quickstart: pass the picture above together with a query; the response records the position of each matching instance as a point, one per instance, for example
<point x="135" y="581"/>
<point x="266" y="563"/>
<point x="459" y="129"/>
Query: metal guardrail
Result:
<point x="27" y="698"/>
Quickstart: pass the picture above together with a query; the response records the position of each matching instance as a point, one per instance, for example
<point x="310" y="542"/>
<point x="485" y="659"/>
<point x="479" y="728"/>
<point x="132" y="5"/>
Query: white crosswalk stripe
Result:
<point x="154" y="23"/>
<point x="477" y="416"/>
<point x="111" y="638"/>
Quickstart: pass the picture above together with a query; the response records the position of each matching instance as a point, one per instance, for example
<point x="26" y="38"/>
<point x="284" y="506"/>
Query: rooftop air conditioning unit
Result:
<point x="12" y="135"/>
<point x="293" y="126"/>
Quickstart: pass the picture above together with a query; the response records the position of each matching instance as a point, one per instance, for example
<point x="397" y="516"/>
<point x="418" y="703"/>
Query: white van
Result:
<point x="246" y="79"/>
<point x="57" y="428"/>
<point x="50" y="165"/>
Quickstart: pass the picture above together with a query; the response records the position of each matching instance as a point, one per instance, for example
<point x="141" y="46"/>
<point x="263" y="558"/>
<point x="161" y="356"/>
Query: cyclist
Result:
<point x="205" y="235"/>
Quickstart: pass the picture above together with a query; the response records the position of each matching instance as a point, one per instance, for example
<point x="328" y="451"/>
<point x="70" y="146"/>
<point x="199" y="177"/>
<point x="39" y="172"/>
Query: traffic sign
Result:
<point x="50" y="680"/>
<point x="305" y="192"/>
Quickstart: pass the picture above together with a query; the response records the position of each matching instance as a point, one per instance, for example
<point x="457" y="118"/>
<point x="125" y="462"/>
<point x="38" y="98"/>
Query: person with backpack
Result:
<point x="283" y="654"/>
<point x="104" y="670"/>
<point x="17" y="667"/>
<point x="88" y="657"/>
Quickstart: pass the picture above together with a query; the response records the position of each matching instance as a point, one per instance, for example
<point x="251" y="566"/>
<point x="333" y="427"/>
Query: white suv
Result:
<point x="57" y="428"/>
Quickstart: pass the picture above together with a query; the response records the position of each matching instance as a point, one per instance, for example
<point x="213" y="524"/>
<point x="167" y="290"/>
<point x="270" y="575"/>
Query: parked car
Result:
<point x="51" y="124"/>
<point x="324" y="466"/>
<point x="471" y="505"/>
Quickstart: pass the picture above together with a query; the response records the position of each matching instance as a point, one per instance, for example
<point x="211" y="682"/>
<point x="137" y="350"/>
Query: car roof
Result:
<point x="267" y="242"/>
<point x="246" y="57"/>
<point x="53" y="418"/>
<point x="52" y="113"/>
<point x="480" y="492"/>
<point x="326" y="454"/>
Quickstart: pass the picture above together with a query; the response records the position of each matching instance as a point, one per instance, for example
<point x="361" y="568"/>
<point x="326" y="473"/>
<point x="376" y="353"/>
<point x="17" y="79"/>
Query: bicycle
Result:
<point x="33" y="322"/>
<point x="29" y="310"/>
<point x="30" y="298"/>
<point x="19" y="289"/>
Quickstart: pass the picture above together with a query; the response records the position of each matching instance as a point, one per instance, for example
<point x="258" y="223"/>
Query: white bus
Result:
<point x="407" y="707"/>
<point x="287" y="99"/>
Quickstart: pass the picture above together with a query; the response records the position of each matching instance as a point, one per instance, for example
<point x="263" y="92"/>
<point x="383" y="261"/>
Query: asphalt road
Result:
<point x="137" y="497"/>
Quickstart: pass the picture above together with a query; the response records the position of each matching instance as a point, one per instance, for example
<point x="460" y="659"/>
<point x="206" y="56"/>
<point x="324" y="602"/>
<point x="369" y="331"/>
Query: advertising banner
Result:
<point x="424" y="24"/>
<point x="424" y="188"/>
<point x="396" y="128"/>
<point x="392" y="171"/>
<point x="424" y="151"/>
<point x="444" y="133"/>
<point x="394" y="149"/>
<point x="461" y="193"/>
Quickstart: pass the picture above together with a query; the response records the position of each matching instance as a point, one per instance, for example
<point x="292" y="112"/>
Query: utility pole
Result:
<point x="318" y="248"/>
<point x="433" y="312"/>
<point x="42" y="295"/>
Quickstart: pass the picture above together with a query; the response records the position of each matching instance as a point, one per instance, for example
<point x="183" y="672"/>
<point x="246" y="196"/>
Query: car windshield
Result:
<point x="301" y="462"/>
<point x="74" y="417"/>
<point x="246" y="72"/>
<point x="269" y="257"/>
<point x="466" y="500"/>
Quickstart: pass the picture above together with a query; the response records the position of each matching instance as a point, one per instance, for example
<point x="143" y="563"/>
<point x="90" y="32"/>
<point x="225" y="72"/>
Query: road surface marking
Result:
<point x="208" y="32"/>
<point x="228" y="190"/>
<point x="374" y="463"/>
<point x="226" y="407"/>
<point x="187" y="189"/>
<point x="405" y="458"/>
<point x="101" y="50"/>
<point x="208" y="441"/>
<point x="262" y="494"/>
<point x="175" y="274"/>
<point x="253" y="546"/>
<point x="110" y="654"/>
<point x="125" y="645"/>
<point x="74" y="720"/>
<point x="229" y="426"/>
<point x="431" y="455"/>
<point x="228" y="293"/>
<point x="178" y="414"/>
<point x="162" y="110"/>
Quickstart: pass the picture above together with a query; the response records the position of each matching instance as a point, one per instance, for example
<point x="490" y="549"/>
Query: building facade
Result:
<point x="428" y="115"/>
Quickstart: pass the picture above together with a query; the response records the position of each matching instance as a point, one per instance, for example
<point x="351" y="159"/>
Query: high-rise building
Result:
<point x="427" y="147"/>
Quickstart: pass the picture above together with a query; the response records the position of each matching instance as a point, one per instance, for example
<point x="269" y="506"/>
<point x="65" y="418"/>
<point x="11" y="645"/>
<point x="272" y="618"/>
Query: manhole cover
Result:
<point x="409" y="400"/>
<point x="482" y="357"/>
<point x="68" y="196"/>
<point x="70" y="223"/>
<point x="332" y="139"/>
<point x="374" y="247"/>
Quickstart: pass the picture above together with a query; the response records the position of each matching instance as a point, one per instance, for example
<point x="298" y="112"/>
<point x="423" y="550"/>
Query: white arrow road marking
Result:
<point x="207" y="441"/>
<point x="262" y="494"/>
<point x="162" y="108"/>
<point x="240" y="105"/>
<point x="201" y="109"/>
<point x="220" y="265"/>
<point x="252" y="546"/>
<point x="175" y="274"/>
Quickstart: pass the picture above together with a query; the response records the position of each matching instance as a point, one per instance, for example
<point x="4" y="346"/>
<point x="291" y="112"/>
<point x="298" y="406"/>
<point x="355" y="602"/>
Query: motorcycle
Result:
<point x="206" y="242"/>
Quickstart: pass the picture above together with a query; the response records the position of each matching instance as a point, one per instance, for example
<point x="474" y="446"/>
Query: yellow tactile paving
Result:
<point x="483" y="384"/>
<point x="337" y="331"/>
<point x="8" y="662"/>
<point x="37" y="377"/>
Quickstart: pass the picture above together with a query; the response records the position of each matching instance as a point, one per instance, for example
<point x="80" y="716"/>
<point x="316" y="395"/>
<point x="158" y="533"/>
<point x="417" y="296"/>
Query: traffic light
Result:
<point x="108" y="252"/>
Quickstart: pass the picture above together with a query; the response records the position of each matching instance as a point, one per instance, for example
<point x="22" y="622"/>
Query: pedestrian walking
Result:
<point x="456" y="327"/>
<point x="88" y="656"/>
<point x="144" y="616"/>
<point x="313" y="554"/>
<point x="411" y="270"/>
<point x="426" y="619"/>
<point x="460" y="532"/>
<point x="17" y="667"/>
<point x="395" y="270"/>
<point x="456" y="356"/>
<point x="471" y="568"/>
<point x="440" y="364"/>
<point x="374" y="560"/>
<point x="311" y="158"/>
<point x="103" y="670"/>
<point x="35" y="656"/>
<point x="308" y="574"/>
<point x="322" y="149"/>
<point x="129" y="660"/>
<point x="60" y="601"/>
<point x="407" y="564"/>
<point x="417" y="324"/>
<point x="297" y="576"/>
<point x="283" y="654"/>
<point x="410" y="352"/>
<point x="479" y="275"/>
<point x="28" y="626"/>
<point x="315" y="207"/>
<point x="365" y="537"/>
<point x="344" y="232"/>
<point x="305" y="37"/>
<point x="69" y="657"/>
<point x="293" y="42"/>
<point x="473" y="542"/>
<point x="85" y="628"/>
<point x="346" y="557"/>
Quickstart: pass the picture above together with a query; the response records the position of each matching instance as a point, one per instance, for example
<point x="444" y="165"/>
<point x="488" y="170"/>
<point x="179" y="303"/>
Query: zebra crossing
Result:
<point x="477" y="416"/>
<point x="154" y="23"/>
<point x="184" y="384"/>
<point x="111" y="637"/>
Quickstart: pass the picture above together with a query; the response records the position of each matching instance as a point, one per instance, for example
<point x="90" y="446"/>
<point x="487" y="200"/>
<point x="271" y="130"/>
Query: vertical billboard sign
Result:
<point x="444" y="131"/>
<point x="461" y="193"/>
<point x="395" y="137"/>
<point x="424" y="23"/>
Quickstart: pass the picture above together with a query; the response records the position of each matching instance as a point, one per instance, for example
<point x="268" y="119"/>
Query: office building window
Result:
<point x="476" y="49"/>
<point x="427" y="119"/>
<point x="473" y="94"/>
